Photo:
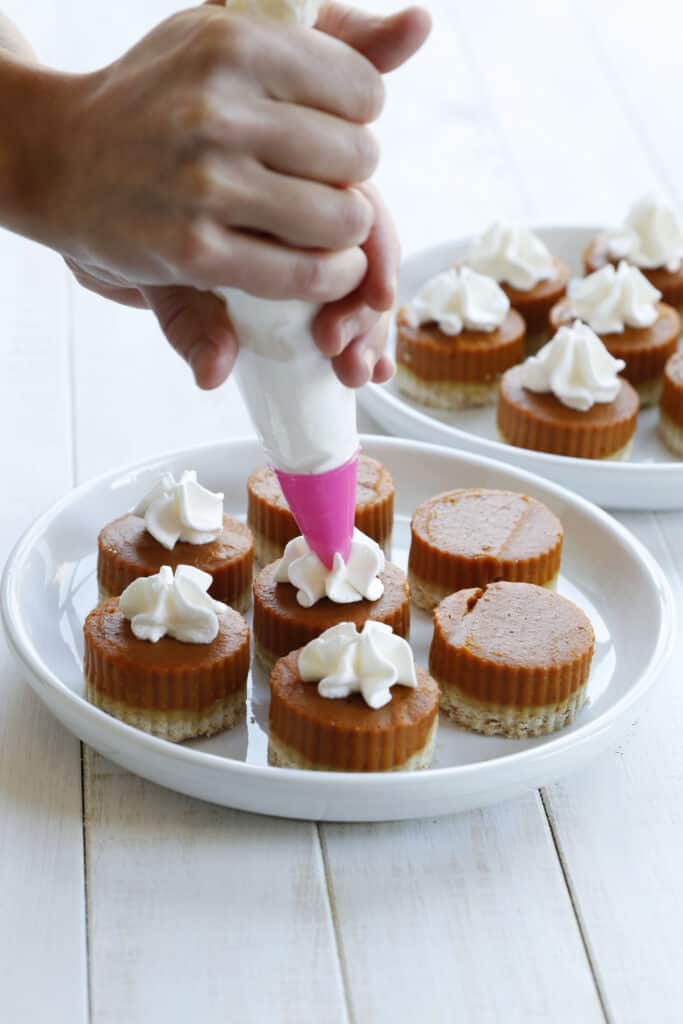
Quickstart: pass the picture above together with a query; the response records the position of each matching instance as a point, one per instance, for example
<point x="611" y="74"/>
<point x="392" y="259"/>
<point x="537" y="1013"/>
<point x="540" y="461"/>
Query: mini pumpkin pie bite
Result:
<point x="178" y="523"/>
<point x="651" y="238"/>
<point x="671" y="405"/>
<point x="455" y="340"/>
<point x="511" y="659"/>
<point x="569" y="399"/>
<point x="168" y="658"/>
<point x="531" y="277"/>
<point x="298" y="598"/>
<point x="273" y="525"/>
<point x="352" y="701"/>
<point x="624" y="310"/>
<point x="467" y="538"/>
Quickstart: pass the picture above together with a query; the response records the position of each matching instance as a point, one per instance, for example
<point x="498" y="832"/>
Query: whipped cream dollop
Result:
<point x="181" y="510"/>
<point x="177" y="606"/>
<point x="343" y="661"/>
<point x="302" y="12"/>
<point x="614" y="298"/>
<point x="345" y="583"/>
<point x="576" y="367"/>
<point x="651" y="236"/>
<point x="512" y="254"/>
<point x="458" y="300"/>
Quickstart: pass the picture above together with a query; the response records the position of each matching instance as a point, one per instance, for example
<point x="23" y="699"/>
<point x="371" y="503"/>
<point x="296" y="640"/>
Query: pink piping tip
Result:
<point x="324" y="506"/>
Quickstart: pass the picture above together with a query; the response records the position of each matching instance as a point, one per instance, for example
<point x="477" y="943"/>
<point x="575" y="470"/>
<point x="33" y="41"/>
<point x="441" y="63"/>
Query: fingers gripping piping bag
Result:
<point x="305" y="416"/>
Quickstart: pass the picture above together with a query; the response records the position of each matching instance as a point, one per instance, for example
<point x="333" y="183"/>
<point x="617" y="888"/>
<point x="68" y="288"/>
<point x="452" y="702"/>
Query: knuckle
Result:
<point x="191" y="247"/>
<point x="372" y="97"/>
<point x="367" y="153"/>
<point x="310" y="279"/>
<point x="353" y="221"/>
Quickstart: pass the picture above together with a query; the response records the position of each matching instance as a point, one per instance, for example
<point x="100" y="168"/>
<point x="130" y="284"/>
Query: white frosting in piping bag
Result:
<point x="651" y="236"/>
<point x="460" y="300"/>
<point x="343" y="583"/>
<point x="343" y="661"/>
<point x="512" y="254"/>
<point x="576" y="367"/>
<point x="614" y="298"/>
<point x="181" y="510"/>
<point x="176" y="606"/>
<point x="305" y="416"/>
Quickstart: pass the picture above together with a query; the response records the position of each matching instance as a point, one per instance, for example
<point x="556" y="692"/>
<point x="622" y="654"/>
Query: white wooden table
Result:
<point x="121" y="902"/>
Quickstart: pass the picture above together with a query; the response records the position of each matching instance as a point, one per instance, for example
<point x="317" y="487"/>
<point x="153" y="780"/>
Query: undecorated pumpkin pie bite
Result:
<point x="511" y="659"/>
<point x="671" y="405"/>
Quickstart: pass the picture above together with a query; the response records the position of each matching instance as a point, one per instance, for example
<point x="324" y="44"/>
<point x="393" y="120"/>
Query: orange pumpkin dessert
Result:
<point x="455" y="340"/>
<point x="651" y="239"/>
<point x="371" y="710"/>
<point x="624" y="310"/>
<point x="569" y="400"/>
<point x="468" y="538"/>
<point x="531" y="277"/>
<point x="511" y="659"/>
<point x="273" y="525"/>
<point x="178" y="523"/>
<point x="671" y="405"/>
<point x="167" y="658"/>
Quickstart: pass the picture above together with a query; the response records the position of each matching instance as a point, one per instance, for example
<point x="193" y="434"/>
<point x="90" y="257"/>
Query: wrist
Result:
<point x="33" y="128"/>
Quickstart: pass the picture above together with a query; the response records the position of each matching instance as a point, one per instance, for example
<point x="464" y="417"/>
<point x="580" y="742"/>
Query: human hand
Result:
<point x="197" y="324"/>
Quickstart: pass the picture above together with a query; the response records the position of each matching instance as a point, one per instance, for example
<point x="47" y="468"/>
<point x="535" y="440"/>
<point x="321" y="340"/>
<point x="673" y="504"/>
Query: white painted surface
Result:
<point x="560" y="112"/>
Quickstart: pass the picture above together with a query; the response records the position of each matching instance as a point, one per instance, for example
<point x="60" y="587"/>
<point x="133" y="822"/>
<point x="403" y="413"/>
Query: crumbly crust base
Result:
<point x="267" y="550"/>
<point x="445" y="394"/>
<point x="514" y="723"/>
<point x="175" y="726"/>
<point x="671" y="434"/>
<point x="282" y="755"/>
<point x="427" y="596"/>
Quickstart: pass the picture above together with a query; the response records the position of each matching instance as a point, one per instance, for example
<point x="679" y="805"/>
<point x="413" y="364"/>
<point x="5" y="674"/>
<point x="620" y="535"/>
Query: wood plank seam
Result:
<point x="580" y="923"/>
<point x="336" y="928"/>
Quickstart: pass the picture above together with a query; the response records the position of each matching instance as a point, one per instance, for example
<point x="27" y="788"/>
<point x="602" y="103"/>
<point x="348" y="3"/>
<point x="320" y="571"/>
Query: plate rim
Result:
<point x="41" y="673"/>
<point x="370" y="394"/>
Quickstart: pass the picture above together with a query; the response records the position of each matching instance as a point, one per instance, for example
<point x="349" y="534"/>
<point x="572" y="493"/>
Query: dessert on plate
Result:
<point x="168" y="658"/>
<point x="511" y="659"/>
<point x="299" y="597"/>
<point x="531" y="277"/>
<point x="455" y="340"/>
<point x="273" y="525"/>
<point x="671" y="405"/>
<point x="178" y="523"/>
<point x="569" y="399"/>
<point x="624" y="310"/>
<point x="650" y="238"/>
<point x="352" y="701"/>
<point x="468" y="538"/>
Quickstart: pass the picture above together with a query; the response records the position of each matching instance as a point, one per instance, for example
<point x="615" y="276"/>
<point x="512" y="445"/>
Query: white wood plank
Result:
<point x="42" y="907"/>
<point x="202" y="913"/>
<point x="465" y="918"/>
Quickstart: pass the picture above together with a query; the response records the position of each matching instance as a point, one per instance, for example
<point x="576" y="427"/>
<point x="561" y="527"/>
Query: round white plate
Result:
<point x="49" y="586"/>
<point x="651" y="479"/>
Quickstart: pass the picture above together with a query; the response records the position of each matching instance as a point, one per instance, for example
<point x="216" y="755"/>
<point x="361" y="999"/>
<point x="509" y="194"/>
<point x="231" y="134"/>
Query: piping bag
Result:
<point x="305" y="416"/>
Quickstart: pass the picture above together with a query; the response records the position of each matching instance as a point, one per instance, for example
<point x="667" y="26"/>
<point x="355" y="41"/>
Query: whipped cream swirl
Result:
<point x="181" y="510"/>
<point x="301" y="12"/>
<point x="458" y="300"/>
<point x="345" y="583"/>
<point x="614" y="298"/>
<point x="512" y="254"/>
<point x="576" y="367"/>
<point x="343" y="661"/>
<point x="176" y="606"/>
<point x="651" y="236"/>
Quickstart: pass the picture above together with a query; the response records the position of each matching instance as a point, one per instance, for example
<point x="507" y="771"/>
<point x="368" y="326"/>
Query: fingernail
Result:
<point x="350" y="329"/>
<point x="370" y="360"/>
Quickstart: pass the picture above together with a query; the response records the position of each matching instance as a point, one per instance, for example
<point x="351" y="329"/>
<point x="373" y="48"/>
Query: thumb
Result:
<point x="198" y="327"/>
<point x="386" y="42"/>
